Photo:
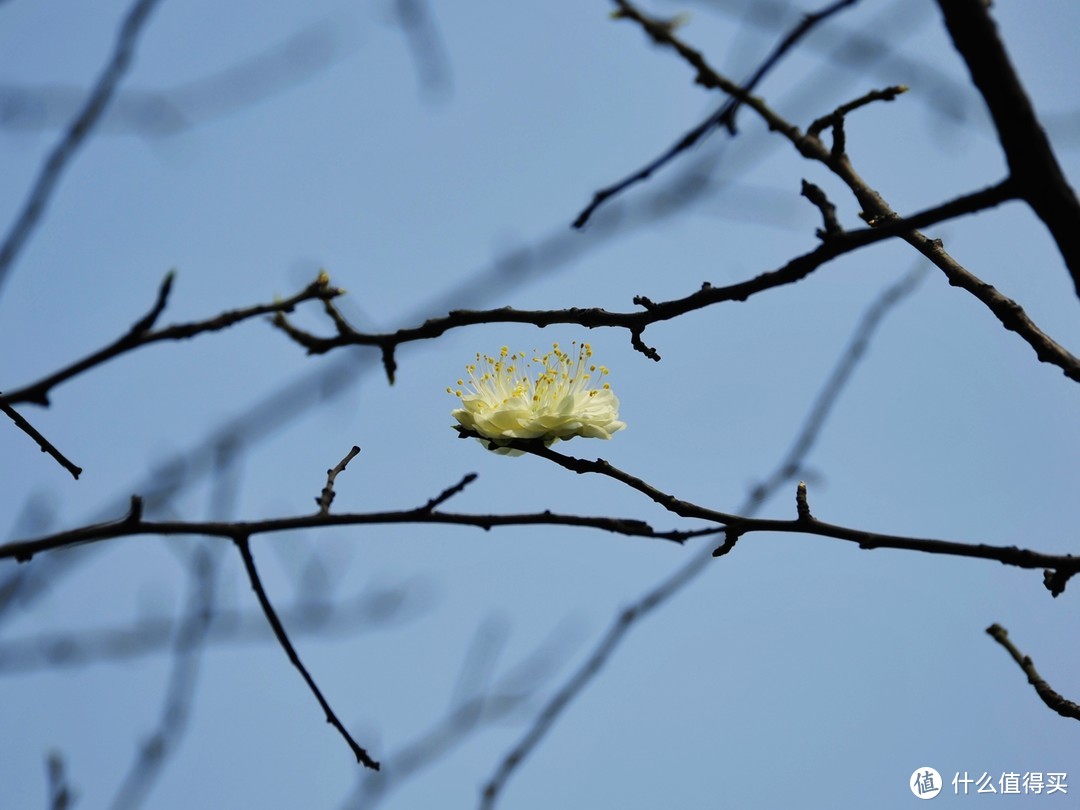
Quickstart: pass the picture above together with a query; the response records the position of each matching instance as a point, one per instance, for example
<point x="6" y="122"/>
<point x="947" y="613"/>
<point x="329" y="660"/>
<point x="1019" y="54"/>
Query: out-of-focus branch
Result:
<point x="479" y="701"/>
<point x="188" y="645"/>
<point x="1032" y="164"/>
<point x="61" y="796"/>
<point x="790" y="467"/>
<point x="75" y="135"/>
<point x="142" y="334"/>
<point x="1064" y="707"/>
<point x="426" y="45"/>
<point x="834" y="245"/>
<point x="168" y="111"/>
<point x="243" y="543"/>
<point x="150" y="636"/>
<point x="45" y="445"/>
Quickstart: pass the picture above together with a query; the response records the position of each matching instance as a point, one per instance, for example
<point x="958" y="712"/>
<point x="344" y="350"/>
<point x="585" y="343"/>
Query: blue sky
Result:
<point x="796" y="670"/>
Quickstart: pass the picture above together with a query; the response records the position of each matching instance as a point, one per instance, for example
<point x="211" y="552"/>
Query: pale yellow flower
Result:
<point x="501" y="401"/>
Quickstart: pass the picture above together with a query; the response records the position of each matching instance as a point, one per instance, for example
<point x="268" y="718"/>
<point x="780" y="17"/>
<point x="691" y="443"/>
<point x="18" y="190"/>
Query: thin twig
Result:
<point x="45" y="445"/>
<point x="326" y="497"/>
<point x="76" y="135"/>
<point x="243" y="543"/>
<point x="449" y="493"/>
<point x="142" y="333"/>
<point x="1064" y="707"/>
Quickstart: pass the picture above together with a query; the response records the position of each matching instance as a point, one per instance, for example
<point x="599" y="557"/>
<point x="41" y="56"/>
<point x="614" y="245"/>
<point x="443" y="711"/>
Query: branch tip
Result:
<point x="802" y="505"/>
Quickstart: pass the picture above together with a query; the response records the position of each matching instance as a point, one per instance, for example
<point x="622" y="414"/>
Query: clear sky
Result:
<point x="255" y="143"/>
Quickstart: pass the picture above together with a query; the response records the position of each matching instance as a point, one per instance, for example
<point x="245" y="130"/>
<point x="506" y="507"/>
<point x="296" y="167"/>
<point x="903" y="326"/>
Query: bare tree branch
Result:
<point x="875" y="210"/>
<point x="75" y="136"/>
<point x="188" y="644"/>
<point x="243" y="543"/>
<point x="793" y="271"/>
<point x="1032" y="165"/>
<point x="45" y="445"/>
<point x="723" y="117"/>
<point x="142" y="334"/>
<point x="1064" y="707"/>
<point x="326" y="497"/>
<point x="134" y="524"/>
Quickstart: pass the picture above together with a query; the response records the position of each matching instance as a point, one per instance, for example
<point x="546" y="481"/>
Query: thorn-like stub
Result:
<point x="802" y="506"/>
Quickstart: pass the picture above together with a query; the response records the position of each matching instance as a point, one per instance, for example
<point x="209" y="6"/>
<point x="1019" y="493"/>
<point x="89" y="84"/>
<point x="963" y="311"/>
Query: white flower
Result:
<point x="501" y="401"/>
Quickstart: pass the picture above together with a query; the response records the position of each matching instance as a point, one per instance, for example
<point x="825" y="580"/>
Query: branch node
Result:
<point x="1055" y="580"/>
<point x="644" y="301"/>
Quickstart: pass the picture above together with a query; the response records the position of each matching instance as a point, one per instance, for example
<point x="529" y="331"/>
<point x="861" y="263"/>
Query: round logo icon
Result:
<point x="925" y="782"/>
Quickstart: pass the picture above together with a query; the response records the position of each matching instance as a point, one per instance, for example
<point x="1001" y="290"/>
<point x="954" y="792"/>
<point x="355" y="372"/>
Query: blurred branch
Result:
<point x="875" y="210"/>
<point x="61" y="797"/>
<point x="1032" y="165"/>
<point x="172" y="110"/>
<point x="149" y="636"/>
<point x="75" y="135"/>
<point x="188" y="645"/>
<point x="142" y="334"/>
<point x="723" y="117"/>
<point x="673" y="584"/>
<point x="795" y="270"/>
<point x="428" y="51"/>
<point x="326" y="497"/>
<point x="45" y="445"/>
<point x="790" y="467"/>
<point x="476" y="705"/>
<point x="1064" y="707"/>
<point x="243" y="543"/>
